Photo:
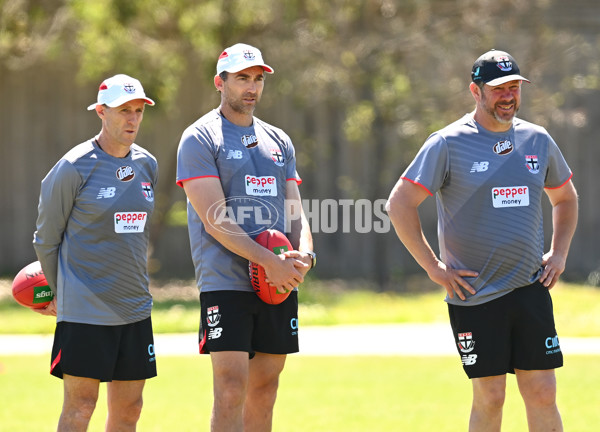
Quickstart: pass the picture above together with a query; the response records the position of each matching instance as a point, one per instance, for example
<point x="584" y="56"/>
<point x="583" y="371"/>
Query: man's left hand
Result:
<point x="554" y="265"/>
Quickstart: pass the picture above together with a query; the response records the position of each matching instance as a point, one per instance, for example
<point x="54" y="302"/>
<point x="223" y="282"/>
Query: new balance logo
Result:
<point x="480" y="166"/>
<point x="108" y="192"/>
<point x="469" y="360"/>
<point x="235" y="154"/>
<point x="215" y="333"/>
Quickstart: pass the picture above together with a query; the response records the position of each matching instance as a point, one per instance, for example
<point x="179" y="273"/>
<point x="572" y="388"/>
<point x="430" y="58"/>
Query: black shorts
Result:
<point x="121" y="352"/>
<point x="515" y="331"/>
<point x="241" y="321"/>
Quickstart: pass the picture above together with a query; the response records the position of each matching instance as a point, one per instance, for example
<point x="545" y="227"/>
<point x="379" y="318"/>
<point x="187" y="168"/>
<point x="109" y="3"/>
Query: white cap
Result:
<point x="119" y="89"/>
<point x="239" y="57"/>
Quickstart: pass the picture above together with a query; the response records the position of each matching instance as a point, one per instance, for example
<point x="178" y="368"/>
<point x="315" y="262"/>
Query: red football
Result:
<point x="30" y="288"/>
<point x="277" y="242"/>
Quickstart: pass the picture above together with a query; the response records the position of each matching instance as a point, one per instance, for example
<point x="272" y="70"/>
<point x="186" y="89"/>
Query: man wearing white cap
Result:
<point x="490" y="171"/>
<point x="230" y="162"/>
<point x="92" y="241"/>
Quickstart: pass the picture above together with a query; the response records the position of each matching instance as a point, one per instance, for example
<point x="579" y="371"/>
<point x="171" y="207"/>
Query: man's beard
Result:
<point x="503" y="120"/>
<point x="239" y="107"/>
<point x="493" y="112"/>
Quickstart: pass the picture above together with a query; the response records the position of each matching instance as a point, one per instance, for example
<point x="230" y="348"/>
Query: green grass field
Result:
<point x="176" y="309"/>
<point x="328" y="394"/>
<point x="317" y="394"/>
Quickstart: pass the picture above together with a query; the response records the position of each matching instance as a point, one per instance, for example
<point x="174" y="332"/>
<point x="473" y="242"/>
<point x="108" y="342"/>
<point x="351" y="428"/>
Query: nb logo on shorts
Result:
<point x="215" y="333"/>
<point x="469" y="360"/>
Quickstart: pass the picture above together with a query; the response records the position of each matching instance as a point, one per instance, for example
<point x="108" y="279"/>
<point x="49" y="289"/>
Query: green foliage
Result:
<point x="29" y="31"/>
<point x="359" y="122"/>
<point x="375" y="65"/>
<point x="177" y="214"/>
<point x="139" y="38"/>
<point x="359" y="85"/>
<point x="395" y="58"/>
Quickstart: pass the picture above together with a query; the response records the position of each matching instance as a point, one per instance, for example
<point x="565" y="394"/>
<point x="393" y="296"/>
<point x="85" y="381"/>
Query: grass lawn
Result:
<point x="317" y="394"/>
<point x="176" y="309"/>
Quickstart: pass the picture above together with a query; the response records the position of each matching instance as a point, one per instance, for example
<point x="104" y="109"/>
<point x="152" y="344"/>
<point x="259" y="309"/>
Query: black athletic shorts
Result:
<point x="515" y="331"/>
<point x="121" y="352"/>
<point x="241" y="321"/>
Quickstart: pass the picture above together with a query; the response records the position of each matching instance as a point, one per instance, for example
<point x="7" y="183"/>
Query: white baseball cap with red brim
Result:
<point x="239" y="57"/>
<point x="117" y="90"/>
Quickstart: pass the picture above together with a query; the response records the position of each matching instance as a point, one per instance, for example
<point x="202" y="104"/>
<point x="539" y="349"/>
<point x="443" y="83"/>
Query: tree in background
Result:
<point x="364" y="82"/>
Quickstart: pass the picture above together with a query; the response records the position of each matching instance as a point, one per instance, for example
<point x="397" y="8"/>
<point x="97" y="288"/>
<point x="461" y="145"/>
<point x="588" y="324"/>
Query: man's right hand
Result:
<point x="49" y="310"/>
<point x="452" y="280"/>
<point x="281" y="272"/>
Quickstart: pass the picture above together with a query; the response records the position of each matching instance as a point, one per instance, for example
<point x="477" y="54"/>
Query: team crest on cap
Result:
<point x="148" y="191"/>
<point x="129" y="88"/>
<point x="532" y="164"/>
<point x="248" y="55"/>
<point x="504" y="64"/>
<point x="277" y="157"/>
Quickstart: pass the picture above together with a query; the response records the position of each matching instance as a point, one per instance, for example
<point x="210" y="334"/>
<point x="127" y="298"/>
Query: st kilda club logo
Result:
<point x="129" y="88"/>
<point x="213" y="316"/>
<point x="466" y="343"/>
<point x="532" y="163"/>
<point x="277" y="157"/>
<point x="504" y="64"/>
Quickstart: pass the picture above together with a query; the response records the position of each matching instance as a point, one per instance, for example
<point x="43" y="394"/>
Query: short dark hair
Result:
<point x="224" y="75"/>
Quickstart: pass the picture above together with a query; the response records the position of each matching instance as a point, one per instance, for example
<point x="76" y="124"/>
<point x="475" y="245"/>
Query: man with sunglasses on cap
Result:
<point x="488" y="171"/>
<point x="232" y="163"/>
<point x="92" y="242"/>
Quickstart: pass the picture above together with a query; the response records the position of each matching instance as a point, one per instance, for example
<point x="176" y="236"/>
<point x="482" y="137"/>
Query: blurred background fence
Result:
<point x="359" y="85"/>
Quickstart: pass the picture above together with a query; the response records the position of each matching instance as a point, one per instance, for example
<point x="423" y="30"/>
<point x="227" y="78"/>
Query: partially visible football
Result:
<point x="278" y="243"/>
<point x="30" y="288"/>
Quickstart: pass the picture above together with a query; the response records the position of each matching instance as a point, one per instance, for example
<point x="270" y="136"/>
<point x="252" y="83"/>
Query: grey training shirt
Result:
<point x="489" y="187"/>
<point x="253" y="164"/>
<point x="92" y="234"/>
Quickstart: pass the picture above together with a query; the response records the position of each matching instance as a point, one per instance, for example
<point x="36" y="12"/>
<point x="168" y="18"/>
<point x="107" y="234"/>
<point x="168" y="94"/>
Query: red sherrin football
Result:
<point x="278" y="243"/>
<point x="30" y="288"/>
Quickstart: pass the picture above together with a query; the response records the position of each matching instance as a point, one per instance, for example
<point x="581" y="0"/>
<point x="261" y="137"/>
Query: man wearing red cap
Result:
<point x="489" y="171"/>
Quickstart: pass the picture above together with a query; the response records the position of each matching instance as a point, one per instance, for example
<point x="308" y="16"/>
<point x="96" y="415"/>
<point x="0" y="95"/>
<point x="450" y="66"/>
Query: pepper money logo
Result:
<point x="256" y="213"/>
<point x="260" y="185"/>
